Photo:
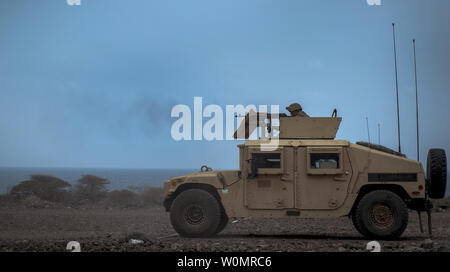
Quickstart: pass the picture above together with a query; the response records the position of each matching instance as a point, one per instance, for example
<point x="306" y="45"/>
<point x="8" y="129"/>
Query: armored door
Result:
<point x="323" y="177"/>
<point x="270" y="181"/>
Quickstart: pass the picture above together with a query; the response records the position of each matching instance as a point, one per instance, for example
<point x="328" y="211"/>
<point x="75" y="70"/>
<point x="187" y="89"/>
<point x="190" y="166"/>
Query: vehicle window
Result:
<point x="266" y="160"/>
<point x="324" y="161"/>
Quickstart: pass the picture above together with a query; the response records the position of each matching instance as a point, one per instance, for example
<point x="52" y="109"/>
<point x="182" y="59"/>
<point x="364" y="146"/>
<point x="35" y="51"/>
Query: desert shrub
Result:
<point x="33" y="201"/>
<point x="123" y="199"/>
<point x="44" y="187"/>
<point x="91" y="188"/>
<point x="152" y="196"/>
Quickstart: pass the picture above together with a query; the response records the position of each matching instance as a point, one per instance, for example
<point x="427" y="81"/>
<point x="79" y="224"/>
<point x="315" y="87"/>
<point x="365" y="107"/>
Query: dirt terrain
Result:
<point x="100" y="229"/>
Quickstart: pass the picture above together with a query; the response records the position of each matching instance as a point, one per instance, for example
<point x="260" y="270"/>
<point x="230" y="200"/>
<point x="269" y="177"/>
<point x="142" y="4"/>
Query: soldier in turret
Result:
<point x="296" y="110"/>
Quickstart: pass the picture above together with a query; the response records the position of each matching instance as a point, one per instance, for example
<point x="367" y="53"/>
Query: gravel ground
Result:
<point x="50" y="229"/>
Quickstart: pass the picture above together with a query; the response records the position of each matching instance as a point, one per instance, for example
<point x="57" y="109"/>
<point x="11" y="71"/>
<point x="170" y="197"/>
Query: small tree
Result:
<point x="91" y="187"/>
<point x="43" y="186"/>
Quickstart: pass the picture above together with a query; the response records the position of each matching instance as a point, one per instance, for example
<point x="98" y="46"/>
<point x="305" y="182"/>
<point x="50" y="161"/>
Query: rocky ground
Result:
<point x="99" y="229"/>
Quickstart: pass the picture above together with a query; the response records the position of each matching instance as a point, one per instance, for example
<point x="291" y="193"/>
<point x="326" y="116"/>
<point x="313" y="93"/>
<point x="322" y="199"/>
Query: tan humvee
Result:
<point x="308" y="175"/>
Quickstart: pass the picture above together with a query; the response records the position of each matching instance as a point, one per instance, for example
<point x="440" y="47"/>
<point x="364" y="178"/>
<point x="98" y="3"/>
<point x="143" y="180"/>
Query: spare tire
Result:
<point x="436" y="173"/>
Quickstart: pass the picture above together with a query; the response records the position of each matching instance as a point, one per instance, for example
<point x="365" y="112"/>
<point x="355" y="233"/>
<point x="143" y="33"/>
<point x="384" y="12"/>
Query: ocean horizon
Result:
<point x="120" y="178"/>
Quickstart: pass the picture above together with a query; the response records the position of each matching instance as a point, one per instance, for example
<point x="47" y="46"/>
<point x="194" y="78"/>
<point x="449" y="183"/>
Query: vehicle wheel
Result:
<point x="381" y="214"/>
<point x="436" y="173"/>
<point x="354" y="223"/>
<point x="195" y="213"/>
<point x="223" y="221"/>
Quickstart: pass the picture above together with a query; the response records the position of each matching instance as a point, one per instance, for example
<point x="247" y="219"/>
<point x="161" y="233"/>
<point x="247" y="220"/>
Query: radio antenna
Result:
<point x="368" y="133"/>
<point x="417" y="100"/>
<point x="379" y="141"/>
<point x="396" y="88"/>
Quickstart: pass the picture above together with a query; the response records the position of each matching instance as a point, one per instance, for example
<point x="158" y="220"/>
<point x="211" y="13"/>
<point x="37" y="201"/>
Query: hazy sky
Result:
<point x="93" y="85"/>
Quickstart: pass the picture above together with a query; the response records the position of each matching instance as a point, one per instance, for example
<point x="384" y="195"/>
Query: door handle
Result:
<point x="340" y="178"/>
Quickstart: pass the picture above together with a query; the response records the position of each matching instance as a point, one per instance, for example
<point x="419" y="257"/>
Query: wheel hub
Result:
<point x="195" y="214"/>
<point x="382" y="216"/>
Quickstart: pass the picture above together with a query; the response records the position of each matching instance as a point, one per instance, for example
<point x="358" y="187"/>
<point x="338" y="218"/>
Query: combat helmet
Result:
<point x="294" y="107"/>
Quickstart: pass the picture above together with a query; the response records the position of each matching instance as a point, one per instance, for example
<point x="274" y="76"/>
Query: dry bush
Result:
<point x="123" y="199"/>
<point x="90" y="191"/>
<point x="33" y="201"/>
<point x="44" y="187"/>
<point x="152" y="196"/>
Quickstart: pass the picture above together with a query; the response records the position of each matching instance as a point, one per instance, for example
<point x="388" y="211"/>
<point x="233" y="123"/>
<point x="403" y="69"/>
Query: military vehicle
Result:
<point x="308" y="174"/>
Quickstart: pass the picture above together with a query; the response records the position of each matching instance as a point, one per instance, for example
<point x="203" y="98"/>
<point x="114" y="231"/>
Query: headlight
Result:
<point x="175" y="181"/>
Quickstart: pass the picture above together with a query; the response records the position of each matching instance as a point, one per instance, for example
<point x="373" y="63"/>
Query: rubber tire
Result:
<point x="223" y="221"/>
<point x="436" y="173"/>
<point x="353" y="216"/>
<point x="210" y="206"/>
<point x="363" y="209"/>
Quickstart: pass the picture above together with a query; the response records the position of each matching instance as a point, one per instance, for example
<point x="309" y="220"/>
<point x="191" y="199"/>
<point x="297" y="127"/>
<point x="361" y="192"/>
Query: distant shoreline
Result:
<point x="120" y="178"/>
